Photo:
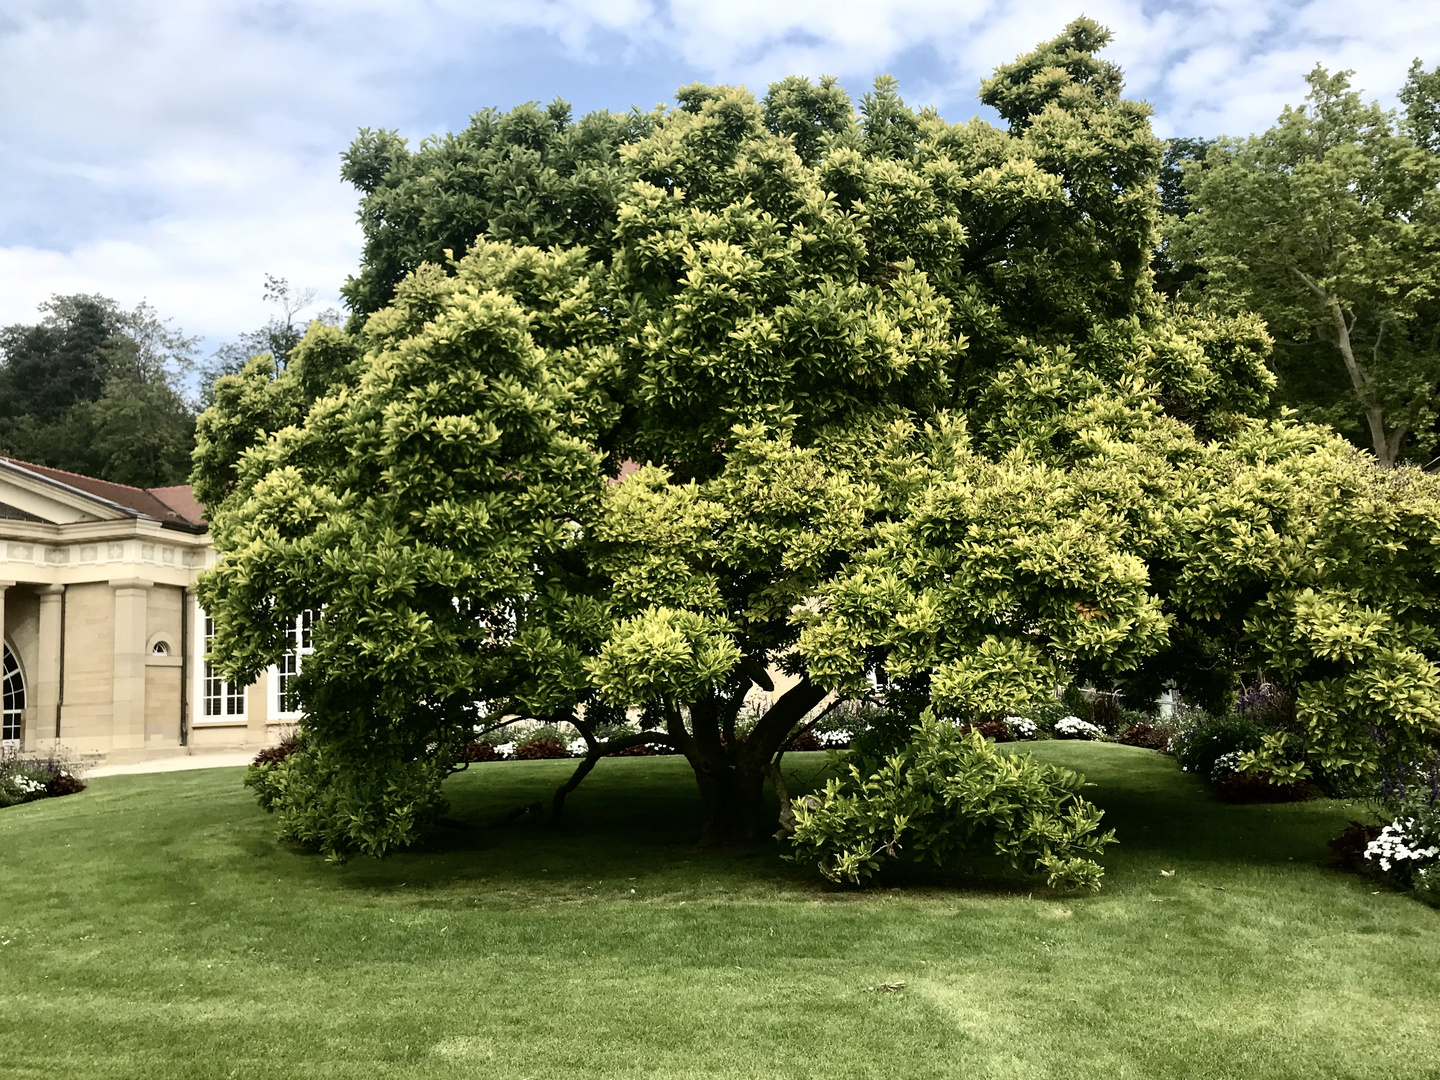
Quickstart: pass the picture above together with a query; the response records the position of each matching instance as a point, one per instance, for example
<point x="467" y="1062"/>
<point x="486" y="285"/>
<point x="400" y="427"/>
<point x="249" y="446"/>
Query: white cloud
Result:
<point x="179" y="151"/>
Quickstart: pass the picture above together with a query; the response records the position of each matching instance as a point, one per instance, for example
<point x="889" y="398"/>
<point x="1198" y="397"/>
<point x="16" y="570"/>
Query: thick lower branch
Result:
<point x="593" y="753"/>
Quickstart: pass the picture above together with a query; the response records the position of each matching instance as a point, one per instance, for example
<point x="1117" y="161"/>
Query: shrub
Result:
<point x="1146" y="735"/>
<point x="946" y="796"/>
<point x="805" y="740"/>
<point x="1106" y="712"/>
<point x="64" y="783"/>
<point x="1021" y="727"/>
<point x="995" y="730"/>
<point x="541" y="749"/>
<point x="640" y="750"/>
<point x="1350" y="845"/>
<point x="1407" y="849"/>
<point x="273" y="755"/>
<point x="1205" y="739"/>
<point x="885" y="731"/>
<point x="344" y="812"/>
<point x="482" y="751"/>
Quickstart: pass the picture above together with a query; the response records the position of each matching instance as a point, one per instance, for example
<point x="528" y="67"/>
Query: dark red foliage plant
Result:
<point x="273" y="755"/>
<point x="1147" y="736"/>
<point x="482" y="751"/>
<point x="541" y="749"/>
<point x="994" y="730"/>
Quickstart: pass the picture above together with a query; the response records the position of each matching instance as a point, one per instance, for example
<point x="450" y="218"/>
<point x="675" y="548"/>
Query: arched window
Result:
<point x="12" y="699"/>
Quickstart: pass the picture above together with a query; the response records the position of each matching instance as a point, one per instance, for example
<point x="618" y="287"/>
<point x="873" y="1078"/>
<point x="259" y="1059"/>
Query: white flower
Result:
<point x="506" y="749"/>
<point x="1226" y="765"/>
<point x="1021" y="727"/>
<point x="834" y="738"/>
<point x="577" y="748"/>
<point x="1395" y="845"/>
<point x="1072" y="727"/>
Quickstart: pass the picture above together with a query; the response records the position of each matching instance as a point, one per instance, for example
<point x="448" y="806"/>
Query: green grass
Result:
<point x="153" y="927"/>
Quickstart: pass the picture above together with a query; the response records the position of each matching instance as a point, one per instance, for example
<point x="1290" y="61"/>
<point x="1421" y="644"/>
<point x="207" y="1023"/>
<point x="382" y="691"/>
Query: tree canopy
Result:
<point x="1328" y="225"/>
<point x="815" y="394"/>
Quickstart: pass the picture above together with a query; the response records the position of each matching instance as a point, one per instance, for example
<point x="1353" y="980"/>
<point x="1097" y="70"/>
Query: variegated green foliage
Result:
<point x="1329" y="568"/>
<point x="894" y="393"/>
<point x="947" y="797"/>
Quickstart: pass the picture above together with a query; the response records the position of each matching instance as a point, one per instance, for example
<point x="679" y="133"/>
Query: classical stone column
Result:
<point x="132" y="595"/>
<point x="48" y="654"/>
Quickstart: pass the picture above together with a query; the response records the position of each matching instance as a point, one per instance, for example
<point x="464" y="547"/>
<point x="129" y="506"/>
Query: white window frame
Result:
<point x="300" y="633"/>
<point x="206" y="680"/>
<point x="12" y="717"/>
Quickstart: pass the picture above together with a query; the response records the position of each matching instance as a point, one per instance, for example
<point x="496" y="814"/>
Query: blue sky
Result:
<point x="178" y="151"/>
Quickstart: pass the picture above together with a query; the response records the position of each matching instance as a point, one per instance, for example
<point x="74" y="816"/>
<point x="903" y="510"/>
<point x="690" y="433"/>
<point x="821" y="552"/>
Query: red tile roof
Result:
<point x="175" y="506"/>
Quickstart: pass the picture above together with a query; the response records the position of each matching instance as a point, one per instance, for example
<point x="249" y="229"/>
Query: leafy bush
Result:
<point x="1022" y="727"/>
<point x="994" y="730"/>
<point x="344" y="812"/>
<point x="1407" y="849"/>
<point x="273" y="755"/>
<point x="642" y="750"/>
<point x="1072" y="727"/>
<point x="1203" y="740"/>
<point x="805" y="740"/>
<point x="64" y="783"/>
<point x="482" y="751"/>
<point x="946" y="796"/>
<point x="1146" y="735"/>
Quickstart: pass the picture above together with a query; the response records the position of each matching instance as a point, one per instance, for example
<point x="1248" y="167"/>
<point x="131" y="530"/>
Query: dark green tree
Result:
<point x="96" y="389"/>
<point x="1328" y="226"/>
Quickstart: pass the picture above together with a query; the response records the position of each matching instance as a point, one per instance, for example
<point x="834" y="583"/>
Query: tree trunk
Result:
<point x="733" y="798"/>
<point x="731" y="775"/>
<point x="1385" y="449"/>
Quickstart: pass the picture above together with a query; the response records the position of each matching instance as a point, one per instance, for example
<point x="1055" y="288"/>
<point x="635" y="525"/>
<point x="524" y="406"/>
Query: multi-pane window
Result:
<point x="221" y="699"/>
<point x="298" y="647"/>
<point x="12" y="698"/>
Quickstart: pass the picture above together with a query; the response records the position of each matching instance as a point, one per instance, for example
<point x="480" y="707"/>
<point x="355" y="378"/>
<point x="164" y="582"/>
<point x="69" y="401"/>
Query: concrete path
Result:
<point x="225" y="759"/>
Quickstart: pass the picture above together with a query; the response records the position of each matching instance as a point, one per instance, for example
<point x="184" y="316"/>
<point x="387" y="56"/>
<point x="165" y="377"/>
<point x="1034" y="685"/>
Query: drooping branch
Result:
<point x="594" y="751"/>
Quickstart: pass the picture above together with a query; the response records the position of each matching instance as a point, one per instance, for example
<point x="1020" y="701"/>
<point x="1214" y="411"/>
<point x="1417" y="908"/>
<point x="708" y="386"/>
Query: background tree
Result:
<point x="1172" y="277"/>
<point x="1328" y="225"/>
<point x="277" y="338"/>
<point x="96" y="389"/>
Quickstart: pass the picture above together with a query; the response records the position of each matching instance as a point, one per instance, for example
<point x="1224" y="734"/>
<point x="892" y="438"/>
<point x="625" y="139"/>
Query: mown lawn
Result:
<point x="152" y="927"/>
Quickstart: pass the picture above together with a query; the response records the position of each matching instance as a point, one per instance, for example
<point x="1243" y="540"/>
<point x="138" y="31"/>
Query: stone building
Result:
<point x="104" y="643"/>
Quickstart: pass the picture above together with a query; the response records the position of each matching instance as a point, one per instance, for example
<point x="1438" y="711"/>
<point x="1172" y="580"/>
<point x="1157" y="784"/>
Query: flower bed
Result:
<point x="24" y="779"/>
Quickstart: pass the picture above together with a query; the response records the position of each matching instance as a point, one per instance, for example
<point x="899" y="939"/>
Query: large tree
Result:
<point x="1328" y="225"/>
<point x="825" y="391"/>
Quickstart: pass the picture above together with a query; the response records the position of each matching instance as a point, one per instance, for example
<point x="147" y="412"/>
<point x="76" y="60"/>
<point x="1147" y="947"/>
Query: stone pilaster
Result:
<point x="48" y="655"/>
<point x="131" y="635"/>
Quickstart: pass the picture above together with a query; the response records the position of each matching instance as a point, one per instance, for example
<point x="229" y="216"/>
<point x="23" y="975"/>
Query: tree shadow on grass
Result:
<point x="634" y="823"/>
